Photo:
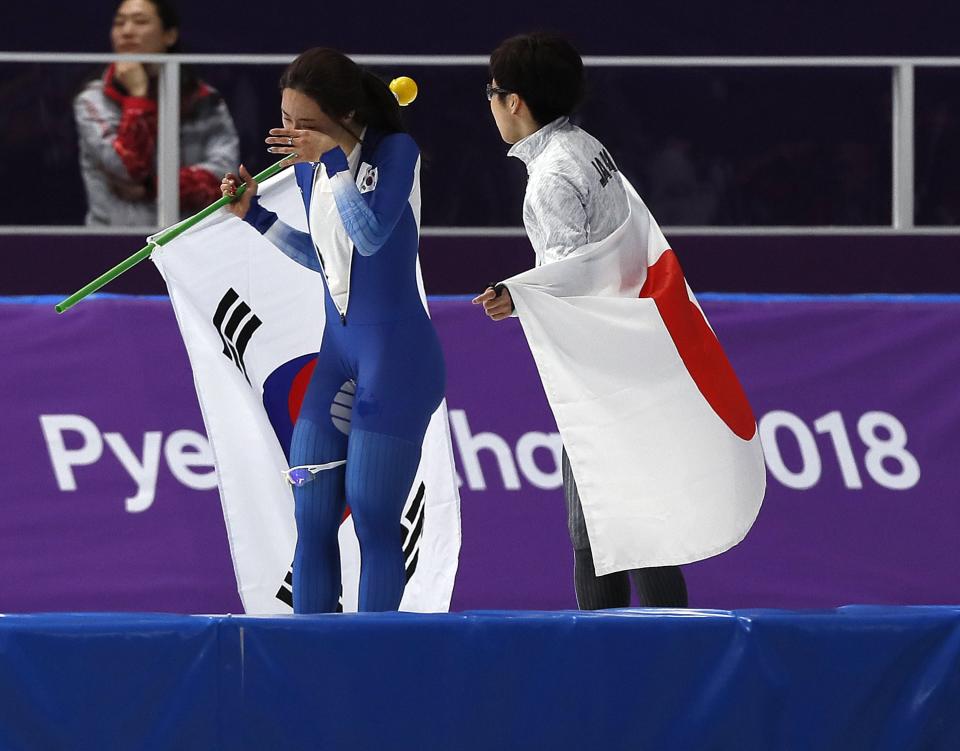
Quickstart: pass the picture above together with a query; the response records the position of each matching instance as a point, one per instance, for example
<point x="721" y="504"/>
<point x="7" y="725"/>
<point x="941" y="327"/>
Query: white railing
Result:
<point x="902" y="71"/>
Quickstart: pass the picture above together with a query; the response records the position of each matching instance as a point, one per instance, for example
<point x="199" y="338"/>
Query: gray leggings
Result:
<point x="660" y="586"/>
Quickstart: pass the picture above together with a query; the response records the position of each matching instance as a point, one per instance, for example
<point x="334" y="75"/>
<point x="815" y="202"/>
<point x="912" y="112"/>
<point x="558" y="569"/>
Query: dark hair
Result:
<point x="169" y="18"/>
<point x="544" y="69"/>
<point x="340" y="87"/>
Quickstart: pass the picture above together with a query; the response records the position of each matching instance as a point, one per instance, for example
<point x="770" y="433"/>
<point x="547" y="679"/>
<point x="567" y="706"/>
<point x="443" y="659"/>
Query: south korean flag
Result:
<point x="252" y="321"/>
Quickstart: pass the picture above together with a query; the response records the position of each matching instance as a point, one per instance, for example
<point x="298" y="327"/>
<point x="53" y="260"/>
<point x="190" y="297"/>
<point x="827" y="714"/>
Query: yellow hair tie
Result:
<point x="404" y="89"/>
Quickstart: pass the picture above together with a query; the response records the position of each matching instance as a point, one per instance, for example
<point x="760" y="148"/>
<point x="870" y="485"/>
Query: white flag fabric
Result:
<point x="661" y="439"/>
<point x="252" y="320"/>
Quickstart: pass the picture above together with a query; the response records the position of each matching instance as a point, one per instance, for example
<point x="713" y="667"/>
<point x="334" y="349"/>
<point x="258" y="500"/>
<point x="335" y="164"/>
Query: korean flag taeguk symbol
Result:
<point x="366" y="178"/>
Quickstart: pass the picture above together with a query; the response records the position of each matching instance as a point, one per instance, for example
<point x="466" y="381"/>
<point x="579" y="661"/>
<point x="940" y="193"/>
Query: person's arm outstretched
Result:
<point x="295" y="244"/>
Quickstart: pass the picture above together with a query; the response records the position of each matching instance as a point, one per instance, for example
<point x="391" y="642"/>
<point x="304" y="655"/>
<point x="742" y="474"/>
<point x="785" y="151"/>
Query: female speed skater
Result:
<point x="536" y="84"/>
<point x="358" y="171"/>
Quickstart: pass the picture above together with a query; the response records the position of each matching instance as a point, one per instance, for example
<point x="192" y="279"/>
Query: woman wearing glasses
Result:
<point x="358" y="171"/>
<point x="572" y="198"/>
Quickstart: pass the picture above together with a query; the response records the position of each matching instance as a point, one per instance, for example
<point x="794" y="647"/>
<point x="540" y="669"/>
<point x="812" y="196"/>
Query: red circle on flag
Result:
<point x="698" y="346"/>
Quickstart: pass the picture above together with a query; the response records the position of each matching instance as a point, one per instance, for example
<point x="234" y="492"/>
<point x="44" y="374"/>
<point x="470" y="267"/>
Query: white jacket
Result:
<point x="573" y="197"/>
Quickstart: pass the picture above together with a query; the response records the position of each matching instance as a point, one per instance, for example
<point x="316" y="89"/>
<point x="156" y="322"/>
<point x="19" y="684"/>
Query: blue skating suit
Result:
<point x="380" y="339"/>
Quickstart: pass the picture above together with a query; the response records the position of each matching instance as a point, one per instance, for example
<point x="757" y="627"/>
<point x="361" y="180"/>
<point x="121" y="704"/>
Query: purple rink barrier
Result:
<point x="856" y="678"/>
<point x="107" y="488"/>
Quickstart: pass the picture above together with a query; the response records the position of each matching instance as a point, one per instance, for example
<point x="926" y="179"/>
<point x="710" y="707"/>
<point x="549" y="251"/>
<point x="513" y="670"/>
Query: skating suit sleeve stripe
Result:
<point x="370" y="218"/>
<point x="295" y="244"/>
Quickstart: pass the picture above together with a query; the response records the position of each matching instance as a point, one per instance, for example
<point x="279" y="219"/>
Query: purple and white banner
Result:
<point x="108" y="497"/>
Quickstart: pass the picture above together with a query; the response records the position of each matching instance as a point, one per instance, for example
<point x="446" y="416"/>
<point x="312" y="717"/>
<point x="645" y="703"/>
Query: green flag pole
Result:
<point x="166" y="236"/>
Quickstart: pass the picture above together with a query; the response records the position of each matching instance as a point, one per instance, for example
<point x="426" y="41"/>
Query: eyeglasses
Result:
<point x="301" y="475"/>
<point x="491" y="90"/>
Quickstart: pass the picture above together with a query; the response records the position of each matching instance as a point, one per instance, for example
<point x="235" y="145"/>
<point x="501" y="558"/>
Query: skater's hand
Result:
<point x="301" y="145"/>
<point x="228" y="187"/>
<point x="497" y="305"/>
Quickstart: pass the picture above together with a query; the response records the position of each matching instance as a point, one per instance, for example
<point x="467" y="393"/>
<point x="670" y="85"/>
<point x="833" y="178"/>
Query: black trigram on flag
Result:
<point x="411" y="532"/>
<point x="235" y="323"/>
<point x="285" y="593"/>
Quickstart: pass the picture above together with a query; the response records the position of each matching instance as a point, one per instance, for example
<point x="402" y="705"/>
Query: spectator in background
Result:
<point x="117" y="124"/>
